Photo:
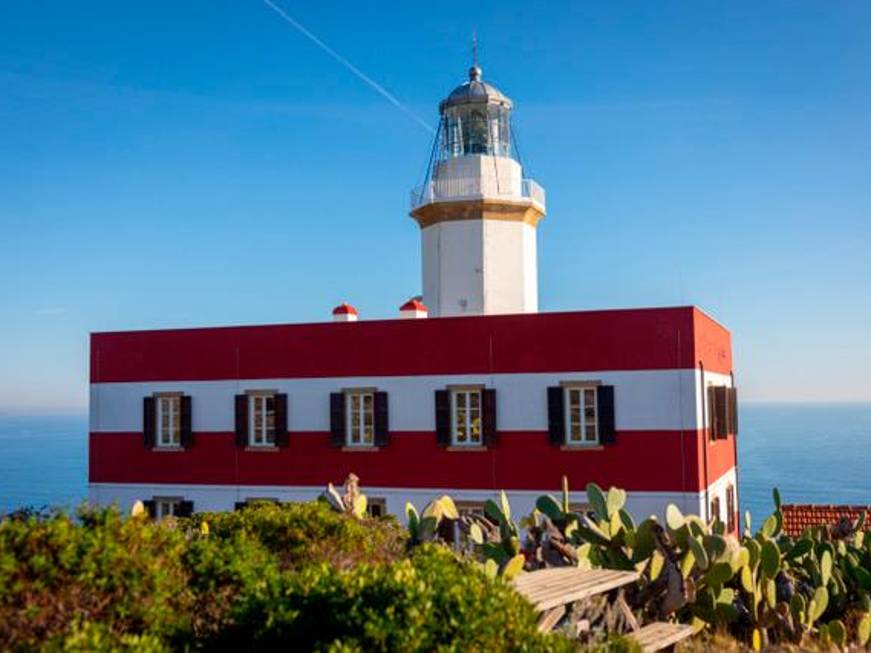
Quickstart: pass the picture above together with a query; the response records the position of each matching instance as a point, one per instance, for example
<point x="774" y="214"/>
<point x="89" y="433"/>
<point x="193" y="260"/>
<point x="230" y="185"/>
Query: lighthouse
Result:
<point x="202" y="419"/>
<point x="477" y="213"/>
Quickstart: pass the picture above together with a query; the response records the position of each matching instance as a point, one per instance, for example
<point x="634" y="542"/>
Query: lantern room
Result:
<point x="475" y="119"/>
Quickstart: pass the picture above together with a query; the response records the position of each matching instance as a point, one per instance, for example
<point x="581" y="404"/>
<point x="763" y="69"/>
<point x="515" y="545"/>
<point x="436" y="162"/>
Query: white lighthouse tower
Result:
<point x="477" y="214"/>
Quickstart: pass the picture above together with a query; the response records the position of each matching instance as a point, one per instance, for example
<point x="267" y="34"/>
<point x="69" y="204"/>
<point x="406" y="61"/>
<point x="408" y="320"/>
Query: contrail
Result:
<point x="347" y="64"/>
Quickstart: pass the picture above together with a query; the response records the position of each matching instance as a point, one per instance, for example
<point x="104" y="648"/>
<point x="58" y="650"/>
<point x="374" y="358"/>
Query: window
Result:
<point x="168" y="421"/>
<point x="449" y="529"/>
<point x="730" y="509"/>
<point x="582" y="420"/>
<point x="166" y="507"/>
<point x="715" y="508"/>
<point x="360" y="418"/>
<point x="466" y="417"/>
<point x="465" y="508"/>
<point x="722" y="412"/>
<point x="261" y="428"/>
<point x="376" y="507"/>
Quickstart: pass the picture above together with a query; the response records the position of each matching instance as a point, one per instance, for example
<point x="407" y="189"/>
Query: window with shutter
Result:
<point x="186" y="436"/>
<point x="607" y="414"/>
<point x="261" y="418"/>
<point x="167" y="408"/>
<point x="382" y="420"/>
<point x="733" y="410"/>
<point x="488" y="420"/>
<point x="281" y="434"/>
<point x="715" y="509"/>
<point x="718" y="412"/>
<point x="587" y="414"/>
<point x="337" y="419"/>
<point x="467" y="416"/>
<point x="712" y="414"/>
<point x="241" y="420"/>
<point x="149" y="422"/>
<point x="443" y="417"/>
<point x="731" y="513"/>
<point x="721" y="412"/>
<point x="556" y="424"/>
<point x="170" y="507"/>
<point x="581" y="420"/>
<point x="359" y="418"/>
<point x="376" y="507"/>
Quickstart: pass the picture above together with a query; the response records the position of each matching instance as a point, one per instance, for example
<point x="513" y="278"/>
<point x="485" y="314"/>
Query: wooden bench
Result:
<point x="659" y="635"/>
<point x="558" y="586"/>
<point x="550" y="590"/>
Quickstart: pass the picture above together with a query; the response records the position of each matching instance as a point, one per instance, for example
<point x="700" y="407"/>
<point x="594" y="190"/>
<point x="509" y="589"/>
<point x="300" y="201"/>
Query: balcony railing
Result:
<point x="454" y="189"/>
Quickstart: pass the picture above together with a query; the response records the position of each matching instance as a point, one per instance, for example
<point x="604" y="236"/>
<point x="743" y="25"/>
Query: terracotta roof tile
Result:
<point x="798" y="517"/>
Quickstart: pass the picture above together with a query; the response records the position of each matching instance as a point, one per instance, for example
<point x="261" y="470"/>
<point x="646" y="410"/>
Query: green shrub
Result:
<point x="295" y="576"/>
<point x="304" y="533"/>
<point x="126" y="575"/>
<point x="431" y="601"/>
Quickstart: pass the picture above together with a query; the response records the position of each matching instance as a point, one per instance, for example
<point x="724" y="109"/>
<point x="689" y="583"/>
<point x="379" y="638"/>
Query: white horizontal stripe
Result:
<point x="644" y="400"/>
<point x="210" y="498"/>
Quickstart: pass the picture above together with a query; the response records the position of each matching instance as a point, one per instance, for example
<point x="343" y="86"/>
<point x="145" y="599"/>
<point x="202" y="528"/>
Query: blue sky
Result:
<point x="202" y="163"/>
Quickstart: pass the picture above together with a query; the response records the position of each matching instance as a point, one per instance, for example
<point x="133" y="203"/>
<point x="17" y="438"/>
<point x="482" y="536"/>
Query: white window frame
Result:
<point x="260" y="437"/>
<point x="580" y="390"/>
<point x="169" y="405"/>
<point x="466" y="420"/>
<point x="166" y="507"/>
<point x="355" y="436"/>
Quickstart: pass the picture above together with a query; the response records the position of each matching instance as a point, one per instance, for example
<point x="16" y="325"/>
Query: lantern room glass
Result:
<point x="476" y="128"/>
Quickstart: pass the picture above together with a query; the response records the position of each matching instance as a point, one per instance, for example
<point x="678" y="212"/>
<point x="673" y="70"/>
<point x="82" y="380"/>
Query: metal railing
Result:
<point x="453" y="189"/>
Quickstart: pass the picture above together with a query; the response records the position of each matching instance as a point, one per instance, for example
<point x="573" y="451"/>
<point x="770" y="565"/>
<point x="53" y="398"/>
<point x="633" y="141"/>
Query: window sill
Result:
<point x="582" y="447"/>
<point x="261" y="449"/>
<point x="360" y="447"/>
<point x="167" y="449"/>
<point x="460" y="447"/>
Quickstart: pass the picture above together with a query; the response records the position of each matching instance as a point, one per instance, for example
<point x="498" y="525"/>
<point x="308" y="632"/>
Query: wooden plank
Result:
<point x="549" y="588"/>
<point x="563" y="580"/>
<point x="576" y="584"/>
<point x="537" y="580"/>
<point x="587" y="582"/>
<point x="550" y="619"/>
<point x="659" y="635"/>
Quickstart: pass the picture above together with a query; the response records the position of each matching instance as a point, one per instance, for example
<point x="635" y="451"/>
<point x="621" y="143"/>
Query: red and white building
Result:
<point x="474" y="392"/>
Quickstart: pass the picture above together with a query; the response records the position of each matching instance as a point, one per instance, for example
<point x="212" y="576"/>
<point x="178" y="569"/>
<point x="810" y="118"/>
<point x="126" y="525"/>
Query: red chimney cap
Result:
<point x="414" y="305"/>
<point x="344" y="309"/>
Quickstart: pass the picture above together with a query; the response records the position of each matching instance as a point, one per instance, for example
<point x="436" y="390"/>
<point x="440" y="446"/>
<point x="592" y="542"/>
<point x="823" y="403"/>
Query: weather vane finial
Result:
<point x="475" y="70"/>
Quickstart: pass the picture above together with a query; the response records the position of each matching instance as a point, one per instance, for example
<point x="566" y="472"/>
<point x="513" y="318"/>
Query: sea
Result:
<point x="814" y="453"/>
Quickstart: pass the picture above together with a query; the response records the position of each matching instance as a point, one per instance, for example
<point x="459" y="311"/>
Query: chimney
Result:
<point x="344" y="312"/>
<point x="413" y="309"/>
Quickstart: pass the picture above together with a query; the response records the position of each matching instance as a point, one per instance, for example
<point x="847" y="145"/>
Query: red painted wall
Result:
<point x="712" y="342"/>
<point x="658" y="338"/>
<point x="640" y="460"/>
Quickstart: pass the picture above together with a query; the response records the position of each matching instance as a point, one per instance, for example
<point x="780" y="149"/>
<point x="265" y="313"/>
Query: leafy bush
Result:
<point x="431" y="601"/>
<point x="118" y="572"/>
<point x="303" y="533"/>
<point x="298" y="575"/>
